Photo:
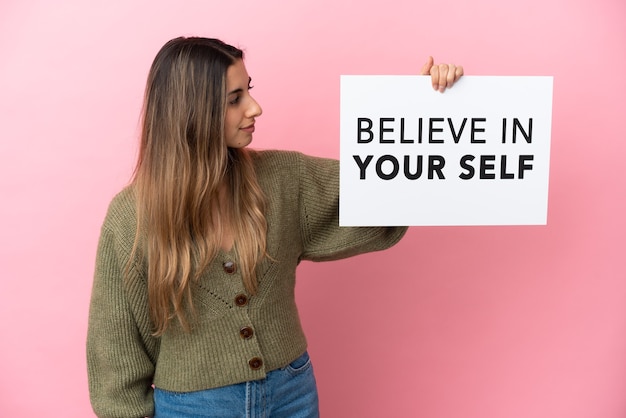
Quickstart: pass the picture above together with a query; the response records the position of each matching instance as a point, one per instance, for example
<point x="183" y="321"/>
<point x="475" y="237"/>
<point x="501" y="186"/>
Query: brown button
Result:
<point x="255" y="363"/>
<point x="229" y="267"/>
<point x="241" y="300"/>
<point x="246" y="333"/>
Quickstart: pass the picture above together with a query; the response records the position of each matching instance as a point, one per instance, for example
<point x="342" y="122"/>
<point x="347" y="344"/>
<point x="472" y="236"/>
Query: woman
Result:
<point x="192" y="310"/>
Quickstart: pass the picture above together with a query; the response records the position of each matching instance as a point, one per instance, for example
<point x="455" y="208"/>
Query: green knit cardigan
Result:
<point x="125" y="360"/>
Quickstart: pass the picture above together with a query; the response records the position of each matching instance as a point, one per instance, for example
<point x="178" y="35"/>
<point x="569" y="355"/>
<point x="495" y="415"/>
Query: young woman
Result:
<point x="192" y="311"/>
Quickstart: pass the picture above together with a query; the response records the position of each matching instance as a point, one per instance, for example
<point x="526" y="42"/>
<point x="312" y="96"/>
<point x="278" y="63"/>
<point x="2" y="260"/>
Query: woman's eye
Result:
<point x="236" y="100"/>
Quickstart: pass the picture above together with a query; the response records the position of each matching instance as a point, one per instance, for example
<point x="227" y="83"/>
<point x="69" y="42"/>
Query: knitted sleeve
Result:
<point x="322" y="236"/>
<point x="120" y="350"/>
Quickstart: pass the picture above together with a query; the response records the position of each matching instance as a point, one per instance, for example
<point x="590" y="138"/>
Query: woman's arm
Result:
<point x="121" y="353"/>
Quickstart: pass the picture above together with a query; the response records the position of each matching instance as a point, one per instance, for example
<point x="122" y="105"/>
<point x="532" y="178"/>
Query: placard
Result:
<point x="477" y="154"/>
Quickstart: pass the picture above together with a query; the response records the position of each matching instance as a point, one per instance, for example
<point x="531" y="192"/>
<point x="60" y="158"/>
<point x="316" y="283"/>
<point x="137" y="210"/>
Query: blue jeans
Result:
<point x="289" y="392"/>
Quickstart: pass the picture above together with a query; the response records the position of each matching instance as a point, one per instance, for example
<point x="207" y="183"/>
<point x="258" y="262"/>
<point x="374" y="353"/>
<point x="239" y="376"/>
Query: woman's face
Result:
<point x="241" y="108"/>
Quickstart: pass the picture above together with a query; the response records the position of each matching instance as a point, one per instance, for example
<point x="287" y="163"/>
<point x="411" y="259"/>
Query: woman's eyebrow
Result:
<point x="239" y="90"/>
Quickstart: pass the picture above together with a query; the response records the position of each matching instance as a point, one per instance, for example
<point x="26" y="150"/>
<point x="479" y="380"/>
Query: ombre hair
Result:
<point x="186" y="179"/>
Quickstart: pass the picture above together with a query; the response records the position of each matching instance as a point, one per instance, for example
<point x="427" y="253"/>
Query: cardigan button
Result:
<point x="255" y="363"/>
<point x="246" y="333"/>
<point x="229" y="267"/>
<point x="241" y="300"/>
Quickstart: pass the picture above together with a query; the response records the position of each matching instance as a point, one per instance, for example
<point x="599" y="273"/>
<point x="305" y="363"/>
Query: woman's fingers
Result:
<point x="453" y="76"/>
<point x="439" y="76"/>
<point x="442" y="76"/>
<point x="426" y="67"/>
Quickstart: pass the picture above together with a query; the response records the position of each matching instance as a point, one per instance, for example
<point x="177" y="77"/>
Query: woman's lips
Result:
<point x="249" y="129"/>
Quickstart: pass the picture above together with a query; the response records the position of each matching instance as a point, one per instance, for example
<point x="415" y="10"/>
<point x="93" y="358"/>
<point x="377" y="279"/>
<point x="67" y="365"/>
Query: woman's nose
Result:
<point x="254" y="109"/>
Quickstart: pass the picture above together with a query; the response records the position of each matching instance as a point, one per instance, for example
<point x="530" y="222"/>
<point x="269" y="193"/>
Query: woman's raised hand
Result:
<point x="443" y="76"/>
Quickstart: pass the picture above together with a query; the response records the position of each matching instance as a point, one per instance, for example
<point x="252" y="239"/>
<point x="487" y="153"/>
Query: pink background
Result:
<point x="473" y="322"/>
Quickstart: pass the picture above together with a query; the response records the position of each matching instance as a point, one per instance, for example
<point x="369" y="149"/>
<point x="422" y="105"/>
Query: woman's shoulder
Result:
<point x="124" y="199"/>
<point x="272" y="156"/>
<point x="285" y="160"/>
<point x="122" y="211"/>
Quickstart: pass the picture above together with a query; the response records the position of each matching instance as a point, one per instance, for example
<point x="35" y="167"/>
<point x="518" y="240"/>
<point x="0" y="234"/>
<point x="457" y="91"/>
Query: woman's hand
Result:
<point x="442" y="75"/>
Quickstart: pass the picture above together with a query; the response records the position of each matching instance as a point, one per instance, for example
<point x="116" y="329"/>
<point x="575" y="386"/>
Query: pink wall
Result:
<point x="473" y="322"/>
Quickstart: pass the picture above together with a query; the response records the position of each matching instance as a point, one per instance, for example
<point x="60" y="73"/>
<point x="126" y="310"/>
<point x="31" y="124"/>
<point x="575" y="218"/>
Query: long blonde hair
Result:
<point x="183" y="163"/>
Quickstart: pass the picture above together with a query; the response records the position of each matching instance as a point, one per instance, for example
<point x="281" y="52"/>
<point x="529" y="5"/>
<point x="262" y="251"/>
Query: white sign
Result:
<point x="478" y="154"/>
